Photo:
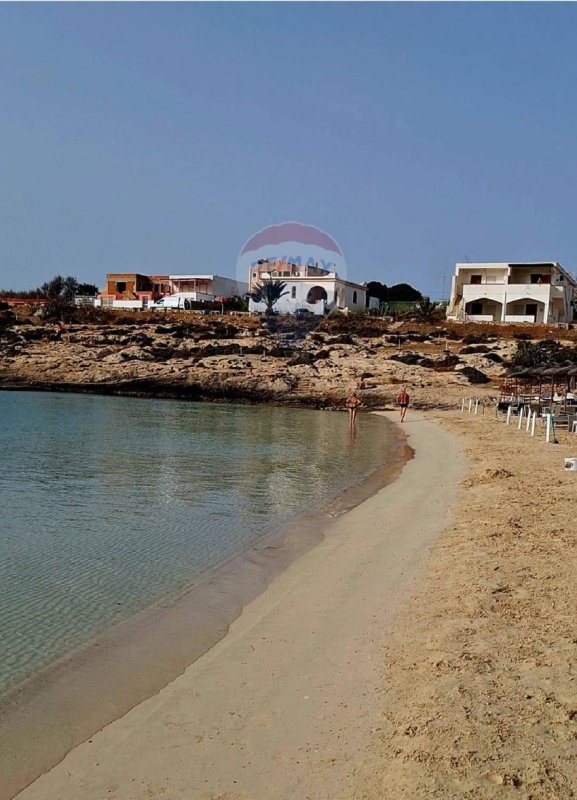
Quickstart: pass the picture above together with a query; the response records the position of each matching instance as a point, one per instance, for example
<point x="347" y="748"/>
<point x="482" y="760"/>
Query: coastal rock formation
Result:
<point x="250" y="360"/>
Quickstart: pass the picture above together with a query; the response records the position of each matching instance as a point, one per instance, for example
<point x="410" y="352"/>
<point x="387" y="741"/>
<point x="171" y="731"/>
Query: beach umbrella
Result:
<point x="556" y="372"/>
<point x="516" y="373"/>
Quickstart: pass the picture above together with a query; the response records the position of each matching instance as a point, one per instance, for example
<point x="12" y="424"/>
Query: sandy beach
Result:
<point x="478" y="692"/>
<point x="284" y="705"/>
<point x="424" y="649"/>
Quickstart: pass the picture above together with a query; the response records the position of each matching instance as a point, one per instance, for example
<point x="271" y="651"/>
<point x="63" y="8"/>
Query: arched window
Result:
<point x="354" y="298"/>
<point x="316" y="293"/>
<point x="294" y="292"/>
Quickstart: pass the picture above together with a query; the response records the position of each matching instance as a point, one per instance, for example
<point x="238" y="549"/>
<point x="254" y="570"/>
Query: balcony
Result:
<point x="543" y="292"/>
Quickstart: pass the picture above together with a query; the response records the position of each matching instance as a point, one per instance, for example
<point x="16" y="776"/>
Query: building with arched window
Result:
<point x="308" y="288"/>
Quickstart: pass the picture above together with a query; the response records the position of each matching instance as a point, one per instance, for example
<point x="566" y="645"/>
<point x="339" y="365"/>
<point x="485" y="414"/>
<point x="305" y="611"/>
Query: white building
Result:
<point x="136" y="291"/>
<point x="529" y="292"/>
<point x="307" y="287"/>
<point x="207" y="287"/>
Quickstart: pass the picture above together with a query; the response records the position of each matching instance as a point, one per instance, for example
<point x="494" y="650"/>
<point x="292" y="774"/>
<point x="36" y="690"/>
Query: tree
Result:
<point x="87" y="289"/>
<point x="403" y="293"/>
<point x="378" y="290"/>
<point x="59" y="294"/>
<point x="425" y="310"/>
<point x="269" y="292"/>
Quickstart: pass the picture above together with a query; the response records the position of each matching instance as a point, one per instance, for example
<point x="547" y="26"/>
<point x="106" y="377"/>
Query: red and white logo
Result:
<point x="292" y="243"/>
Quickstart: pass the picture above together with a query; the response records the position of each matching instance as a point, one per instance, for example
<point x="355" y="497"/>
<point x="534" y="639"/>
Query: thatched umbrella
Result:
<point x="528" y="374"/>
<point x="572" y="377"/>
<point x="557" y="372"/>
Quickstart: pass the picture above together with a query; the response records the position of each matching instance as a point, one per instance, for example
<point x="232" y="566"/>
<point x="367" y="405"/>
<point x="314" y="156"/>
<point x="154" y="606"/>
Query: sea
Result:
<point x="109" y="505"/>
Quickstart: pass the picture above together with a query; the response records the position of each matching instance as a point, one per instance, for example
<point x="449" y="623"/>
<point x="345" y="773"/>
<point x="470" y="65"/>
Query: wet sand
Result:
<point x="45" y="717"/>
<point x="284" y="705"/>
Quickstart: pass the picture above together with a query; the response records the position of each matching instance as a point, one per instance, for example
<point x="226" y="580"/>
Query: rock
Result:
<point x="474" y="375"/>
<point x="475" y="338"/>
<point x="341" y="338"/>
<point x="478" y="348"/>
<point x="446" y="363"/>
<point x="303" y="358"/>
<point x="408" y="358"/>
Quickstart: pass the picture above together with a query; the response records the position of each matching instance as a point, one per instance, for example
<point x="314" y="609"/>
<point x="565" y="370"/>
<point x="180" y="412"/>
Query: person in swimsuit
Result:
<point x="353" y="404"/>
<point x="403" y="400"/>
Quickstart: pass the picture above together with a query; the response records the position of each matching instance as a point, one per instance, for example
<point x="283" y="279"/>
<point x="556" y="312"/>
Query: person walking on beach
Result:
<point x="403" y="400"/>
<point x="353" y="404"/>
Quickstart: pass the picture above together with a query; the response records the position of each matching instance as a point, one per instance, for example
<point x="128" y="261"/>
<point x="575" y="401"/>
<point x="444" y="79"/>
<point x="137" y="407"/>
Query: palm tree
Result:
<point x="426" y="310"/>
<point x="269" y="292"/>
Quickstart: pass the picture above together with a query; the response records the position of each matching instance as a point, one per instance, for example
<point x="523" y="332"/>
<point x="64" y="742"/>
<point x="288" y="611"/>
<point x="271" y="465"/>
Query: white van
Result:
<point x="171" y="301"/>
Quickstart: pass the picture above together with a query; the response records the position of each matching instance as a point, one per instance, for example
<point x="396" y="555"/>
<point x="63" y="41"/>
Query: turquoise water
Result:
<point x="111" y="504"/>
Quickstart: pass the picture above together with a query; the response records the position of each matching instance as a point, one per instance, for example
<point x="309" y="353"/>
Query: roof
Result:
<point x="192" y="277"/>
<point x="507" y="264"/>
<point x="330" y="277"/>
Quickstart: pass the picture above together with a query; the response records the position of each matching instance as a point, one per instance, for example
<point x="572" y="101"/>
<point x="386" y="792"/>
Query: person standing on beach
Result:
<point x="403" y="400"/>
<point x="353" y="404"/>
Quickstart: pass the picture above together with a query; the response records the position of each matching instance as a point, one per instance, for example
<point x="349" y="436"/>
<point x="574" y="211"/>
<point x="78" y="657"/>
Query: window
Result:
<point x="354" y="298"/>
<point x="476" y="279"/>
<point x="316" y="293"/>
<point x="121" y="286"/>
<point x="294" y="292"/>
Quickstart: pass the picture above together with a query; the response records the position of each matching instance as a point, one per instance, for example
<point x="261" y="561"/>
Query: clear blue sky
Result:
<point x="158" y="137"/>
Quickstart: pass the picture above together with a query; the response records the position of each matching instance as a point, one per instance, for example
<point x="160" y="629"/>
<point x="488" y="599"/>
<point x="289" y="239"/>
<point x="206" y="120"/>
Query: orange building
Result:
<point x="134" y="286"/>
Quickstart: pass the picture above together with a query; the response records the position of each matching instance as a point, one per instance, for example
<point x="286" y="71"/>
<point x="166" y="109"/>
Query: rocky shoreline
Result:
<point x="251" y="360"/>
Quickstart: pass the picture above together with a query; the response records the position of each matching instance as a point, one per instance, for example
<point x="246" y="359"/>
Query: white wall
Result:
<point x="494" y="286"/>
<point x="298" y="291"/>
<point x="132" y="305"/>
<point x="228" y="287"/>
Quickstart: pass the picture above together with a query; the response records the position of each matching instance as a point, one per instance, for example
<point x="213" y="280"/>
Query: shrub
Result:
<point x="474" y="375"/>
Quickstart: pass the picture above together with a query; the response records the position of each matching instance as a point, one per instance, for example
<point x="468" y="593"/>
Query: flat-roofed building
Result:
<point x="207" y="286"/>
<point x="512" y="292"/>
<point x="136" y="290"/>
<point x="308" y="288"/>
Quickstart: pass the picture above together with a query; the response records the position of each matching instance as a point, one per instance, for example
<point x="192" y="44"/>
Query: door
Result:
<point x="531" y="311"/>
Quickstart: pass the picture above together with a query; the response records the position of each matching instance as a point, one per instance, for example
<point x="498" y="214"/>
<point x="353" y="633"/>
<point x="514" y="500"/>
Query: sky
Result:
<point x="158" y="137"/>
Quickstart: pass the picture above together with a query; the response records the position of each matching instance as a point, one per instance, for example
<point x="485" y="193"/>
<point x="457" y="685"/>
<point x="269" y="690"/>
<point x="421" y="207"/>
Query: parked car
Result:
<point x="171" y="301"/>
<point x="303" y="312"/>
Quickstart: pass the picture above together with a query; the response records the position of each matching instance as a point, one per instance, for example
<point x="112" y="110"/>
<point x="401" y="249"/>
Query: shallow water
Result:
<point x="111" y="504"/>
